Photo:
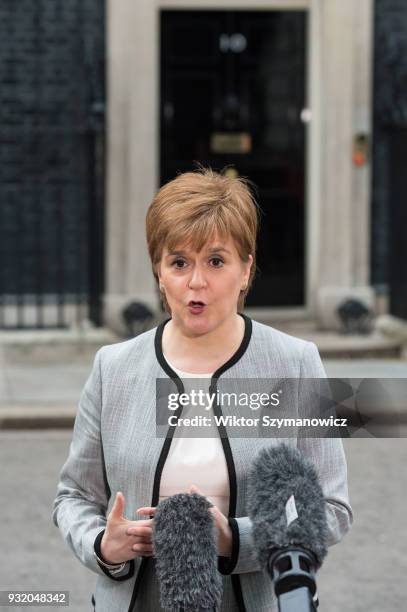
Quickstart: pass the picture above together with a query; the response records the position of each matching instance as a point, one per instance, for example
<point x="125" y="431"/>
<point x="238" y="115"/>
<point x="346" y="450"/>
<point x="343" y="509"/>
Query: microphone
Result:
<point x="287" y="508"/>
<point x="184" y="545"/>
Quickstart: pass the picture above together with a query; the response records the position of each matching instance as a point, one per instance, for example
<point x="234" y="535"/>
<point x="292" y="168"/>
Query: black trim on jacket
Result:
<point x="226" y="448"/>
<point x="226" y="565"/>
<point x="98" y="551"/>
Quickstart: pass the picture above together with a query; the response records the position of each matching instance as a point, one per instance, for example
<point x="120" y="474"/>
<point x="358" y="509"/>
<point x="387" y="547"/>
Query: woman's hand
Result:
<point x="123" y="539"/>
<point x="220" y="520"/>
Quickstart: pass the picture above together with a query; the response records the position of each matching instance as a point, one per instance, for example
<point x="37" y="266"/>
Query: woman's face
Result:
<point x="202" y="288"/>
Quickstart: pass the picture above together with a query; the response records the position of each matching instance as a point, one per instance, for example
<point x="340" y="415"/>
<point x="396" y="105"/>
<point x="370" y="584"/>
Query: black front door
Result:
<point x="232" y="92"/>
<point x="398" y="221"/>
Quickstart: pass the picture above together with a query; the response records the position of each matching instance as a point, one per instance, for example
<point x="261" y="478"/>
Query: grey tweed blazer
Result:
<point x="115" y="447"/>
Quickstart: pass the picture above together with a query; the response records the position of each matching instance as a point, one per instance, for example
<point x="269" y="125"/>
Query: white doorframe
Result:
<point x="337" y="194"/>
<point x="133" y="152"/>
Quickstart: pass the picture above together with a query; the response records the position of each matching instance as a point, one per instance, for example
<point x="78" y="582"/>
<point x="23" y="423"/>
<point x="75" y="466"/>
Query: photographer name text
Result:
<point x="264" y="421"/>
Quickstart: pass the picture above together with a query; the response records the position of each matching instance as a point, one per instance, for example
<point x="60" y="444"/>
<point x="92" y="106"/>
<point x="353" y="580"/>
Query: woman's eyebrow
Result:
<point x="215" y="249"/>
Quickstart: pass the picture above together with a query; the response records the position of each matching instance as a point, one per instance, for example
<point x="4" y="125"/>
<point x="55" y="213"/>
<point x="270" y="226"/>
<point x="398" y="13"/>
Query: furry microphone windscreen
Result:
<point x="185" y="548"/>
<point x="280" y="520"/>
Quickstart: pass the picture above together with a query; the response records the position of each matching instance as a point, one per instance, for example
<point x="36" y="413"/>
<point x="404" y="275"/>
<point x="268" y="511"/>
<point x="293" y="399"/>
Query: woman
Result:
<point x="201" y="234"/>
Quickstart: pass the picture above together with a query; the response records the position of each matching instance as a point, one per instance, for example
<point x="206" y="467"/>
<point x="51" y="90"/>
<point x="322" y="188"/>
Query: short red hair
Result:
<point x="196" y="206"/>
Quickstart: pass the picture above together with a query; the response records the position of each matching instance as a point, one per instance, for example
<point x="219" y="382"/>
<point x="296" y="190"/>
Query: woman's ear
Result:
<point x="248" y="265"/>
<point x="157" y="269"/>
<point x="160" y="284"/>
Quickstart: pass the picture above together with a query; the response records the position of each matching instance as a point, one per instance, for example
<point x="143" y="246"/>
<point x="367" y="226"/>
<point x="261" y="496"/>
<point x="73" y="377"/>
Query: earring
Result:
<point x="161" y="286"/>
<point x="243" y="288"/>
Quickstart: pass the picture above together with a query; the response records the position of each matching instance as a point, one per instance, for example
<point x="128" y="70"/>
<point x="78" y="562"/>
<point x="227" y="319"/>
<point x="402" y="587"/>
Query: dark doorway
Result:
<point x="232" y="92"/>
<point x="52" y="94"/>
<point x="398" y="222"/>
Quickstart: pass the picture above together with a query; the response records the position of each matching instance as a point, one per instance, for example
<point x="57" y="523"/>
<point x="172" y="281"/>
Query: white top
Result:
<point x="198" y="461"/>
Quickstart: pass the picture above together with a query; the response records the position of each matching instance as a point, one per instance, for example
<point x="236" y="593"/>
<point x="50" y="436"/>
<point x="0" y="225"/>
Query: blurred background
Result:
<point x="101" y="103"/>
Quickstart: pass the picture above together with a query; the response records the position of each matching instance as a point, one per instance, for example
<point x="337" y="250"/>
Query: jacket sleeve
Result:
<point x="243" y="556"/>
<point x="329" y="458"/>
<point x="80" y="506"/>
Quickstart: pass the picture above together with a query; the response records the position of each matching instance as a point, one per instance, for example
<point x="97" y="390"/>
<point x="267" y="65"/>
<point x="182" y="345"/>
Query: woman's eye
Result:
<point x="178" y="263"/>
<point x="217" y="262"/>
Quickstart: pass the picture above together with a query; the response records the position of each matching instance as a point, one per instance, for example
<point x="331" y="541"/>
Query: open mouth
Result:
<point x="196" y="307"/>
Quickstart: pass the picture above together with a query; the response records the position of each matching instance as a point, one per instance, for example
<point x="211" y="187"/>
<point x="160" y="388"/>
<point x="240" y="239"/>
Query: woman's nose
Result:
<point x="197" y="279"/>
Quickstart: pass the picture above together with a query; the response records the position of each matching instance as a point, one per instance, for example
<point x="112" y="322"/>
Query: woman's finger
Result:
<point x="141" y="530"/>
<point x="146" y="510"/>
<point x="116" y="513"/>
<point x="194" y="489"/>
<point x="142" y="548"/>
<point x="140" y="540"/>
<point x="214" y="510"/>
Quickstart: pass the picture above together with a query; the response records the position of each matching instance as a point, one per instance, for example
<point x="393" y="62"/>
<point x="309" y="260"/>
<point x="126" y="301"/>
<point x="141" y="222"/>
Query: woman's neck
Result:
<point x="206" y="352"/>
